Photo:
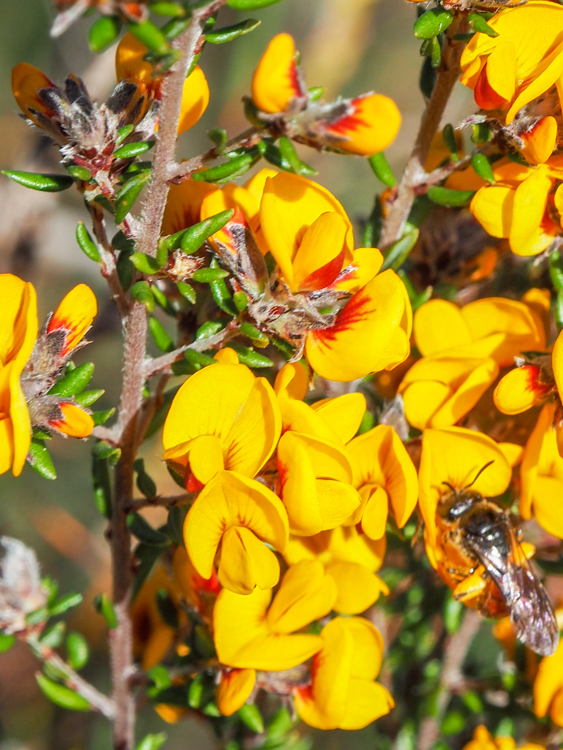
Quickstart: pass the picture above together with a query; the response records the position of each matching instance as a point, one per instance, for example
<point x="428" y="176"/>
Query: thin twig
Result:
<point x="247" y="138"/>
<point x="97" y="700"/>
<point x="154" y="366"/>
<point x="414" y="173"/>
<point x="455" y="652"/>
<point x="108" y="265"/>
<point x="158" y="502"/>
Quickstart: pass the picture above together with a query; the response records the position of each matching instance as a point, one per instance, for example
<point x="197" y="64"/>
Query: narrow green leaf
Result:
<point x="478" y="23"/>
<point x="152" y="742"/>
<point x="151" y="36"/>
<point x="199" y="359"/>
<point x="427" y="78"/>
<point x="103" y="32"/>
<point x="448" y="134"/>
<point x="47" y="183"/>
<point x="207" y="275"/>
<point x="219" y="137"/>
<point x="399" y="251"/>
<point x="382" y="170"/>
<point x="101" y="417"/>
<point x="195" y="236"/>
<point x="124" y="133"/>
<point x="315" y="93"/>
<point x="142" y="292"/>
<point x="249" y="357"/>
<point x="228" y="33"/>
<point x="288" y="152"/>
<point x="483" y="168"/>
<point x="241" y="301"/>
<point x="145" y="483"/>
<point x="187" y="292"/>
<point x="145" y="532"/>
<point x="131" y="150"/>
<point x="87" y="398"/>
<point x="250" y="715"/>
<point x="163" y="8"/>
<point x="75" y="382"/>
<point x="209" y="328"/>
<point x="40" y="459"/>
<point x="77" y="650"/>
<point x="228" y="170"/>
<point x="6" y="642"/>
<point x="128" y="194"/>
<point x="65" y="602"/>
<point x="103" y="449"/>
<point x="86" y="243"/>
<point x="105" y="608"/>
<point x="481" y="133"/>
<point x="159" y="335"/>
<point x="102" y="485"/>
<point x="78" y="173"/>
<point x="61" y="695"/>
<point x="448" y="197"/>
<point x="195" y="691"/>
<point x="53" y="636"/>
<point x="432" y="23"/>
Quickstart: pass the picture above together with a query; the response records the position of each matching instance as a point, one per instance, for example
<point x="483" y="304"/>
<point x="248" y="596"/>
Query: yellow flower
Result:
<point x="131" y="65"/>
<point x="235" y="689"/>
<point x="351" y="559"/>
<point x="455" y="455"/>
<point x="462" y="350"/>
<point x="29" y="366"/>
<point x="239" y="514"/>
<point x="385" y="477"/>
<point x="27" y="81"/>
<point x="152" y="637"/>
<point x="548" y="687"/>
<point x="276" y="80"/>
<point x="256" y="632"/>
<point x="223" y="417"/>
<point x="541" y="474"/>
<point x="343" y="693"/>
<point x="200" y="593"/>
<point x="519" y="65"/>
<point x="483" y="740"/>
<point x="183" y="205"/>
<point x="522" y="206"/>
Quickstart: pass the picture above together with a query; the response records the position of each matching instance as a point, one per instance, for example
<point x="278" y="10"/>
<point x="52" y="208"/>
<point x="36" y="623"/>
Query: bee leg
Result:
<point x="470" y="587"/>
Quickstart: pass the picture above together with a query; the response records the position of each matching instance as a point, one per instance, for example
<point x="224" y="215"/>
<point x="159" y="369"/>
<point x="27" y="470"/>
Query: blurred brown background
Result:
<point x="350" y="46"/>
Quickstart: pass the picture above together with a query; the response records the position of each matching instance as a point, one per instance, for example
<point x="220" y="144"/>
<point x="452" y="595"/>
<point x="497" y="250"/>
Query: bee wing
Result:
<point x="531" y="613"/>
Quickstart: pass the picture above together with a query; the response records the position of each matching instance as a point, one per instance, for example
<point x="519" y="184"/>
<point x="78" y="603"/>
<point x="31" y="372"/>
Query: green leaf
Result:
<point x="195" y="236"/>
<point x="131" y="150"/>
<point x="382" y="170"/>
<point x="427" y="78"/>
<point x="241" y="301"/>
<point x="221" y="293"/>
<point x="175" y="523"/>
<point x="145" y="532"/>
<point x="65" y="602"/>
<point x="399" y="251"/>
<point x="101" y="417"/>
<point x="89" y="397"/>
<point x="279" y="725"/>
<point x="478" y="23"/>
<point x="195" y="691"/>
<point x="78" y="173"/>
<point x="481" y="133"/>
<point x="163" y="8"/>
<point x="448" y="197"/>
<point x="228" y="33"/>
<point x="209" y="328"/>
<point x="187" y="292"/>
<point x="253" y="333"/>
<point x="199" y="359"/>
<point x="219" y="137"/>
<point x="40" y="459"/>
<point x="124" y="133"/>
<point x="207" y="275"/>
<point x="288" y="152"/>
<point x="125" y="271"/>
<point x="145" y="483"/>
<point x="86" y="243"/>
<point x="75" y="382"/>
<point x="315" y="93"/>
<point x="61" y="695"/>
<point x="6" y="642"/>
<point x="152" y="742"/>
<point x="151" y="36"/>
<point x="453" y="611"/>
<point x="166" y="608"/>
<point x="367" y="423"/>
<point x="448" y="134"/>
<point x="433" y="50"/>
<point x="142" y="292"/>
<point x="249" y="357"/>
<point x="228" y="170"/>
<point x="432" y="23"/>
<point x="47" y="183"/>
<point x="160" y="336"/>
<point x="103" y="449"/>
<point x="250" y="715"/>
<point x="473" y="701"/>
<point x="53" y="636"/>
<point x="373" y="226"/>
<point x="104" y="607"/>
<point x="103" y="32"/>
<point x="483" y="168"/>
<point x="102" y="485"/>
<point x="453" y="723"/>
<point x="128" y="194"/>
<point x="77" y="650"/>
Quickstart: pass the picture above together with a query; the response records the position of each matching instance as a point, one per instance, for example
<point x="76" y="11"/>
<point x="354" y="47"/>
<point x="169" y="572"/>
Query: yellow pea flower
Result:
<point x="131" y="65"/>
<point x="183" y="205"/>
<point x="548" y="687"/>
<point x="343" y="693"/>
<point x="523" y="62"/>
<point x="235" y="689"/>
<point x="28" y="367"/>
<point x="200" y="593"/>
<point x="351" y="559"/>
<point x="27" y="81"/>
<point x="276" y="80"/>
<point x="152" y="637"/>
<point x="483" y="740"/>
<point x="258" y="632"/>
<point x="519" y="206"/>
<point x="223" y="417"/>
<point x="541" y="475"/>
<point x="455" y="455"/>
<point x="385" y="477"/>
<point x="314" y="483"/>
<point x="239" y="514"/>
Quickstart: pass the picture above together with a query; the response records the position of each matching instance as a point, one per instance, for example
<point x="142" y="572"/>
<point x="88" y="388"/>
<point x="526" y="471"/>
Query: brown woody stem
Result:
<point x="414" y="174"/>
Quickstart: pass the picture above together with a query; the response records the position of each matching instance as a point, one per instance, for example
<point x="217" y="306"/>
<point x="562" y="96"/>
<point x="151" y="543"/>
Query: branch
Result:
<point x="154" y="366"/>
<point x="414" y="173"/>
<point x="74" y="681"/>
<point x="455" y="651"/>
<point x="158" y="502"/>
<point x="247" y="138"/>
<point x="108" y="266"/>
<point x="188" y="44"/>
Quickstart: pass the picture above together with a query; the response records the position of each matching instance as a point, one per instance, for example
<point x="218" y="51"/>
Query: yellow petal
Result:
<point x="230" y="499"/>
<point x="343" y="414"/>
<point x="184" y="205"/>
<point x="540" y="448"/>
<point x="370" y="125"/>
<point x="365" y="702"/>
<point x="130" y="62"/>
<point x="27" y="81"/>
<point x="298" y="486"/>
<point x="358" y="587"/>
<point x="275" y="81"/>
<point x="337" y="501"/>
<point x="439" y="325"/>
<point x="501" y="70"/>
<point x="422" y="399"/>
<point x="540" y="140"/>
<point x="369" y="334"/>
<point x="74" y="316"/>
<point x="205" y="457"/>
<point x="306" y="594"/>
<point x="530" y="201"/>
<point x="21" y="423"/>
<point x="246" y="562"/>
<point x="549" y="681"/>
<point x="75" y="422"/>
<point x="548" y="504"/>
<point x="195" y="98"/>
<point x="366" y="263"/>
<point x="320" y="256"/>
<point x="512" y="452"/>
<point x="292" y="381"/>
<point x="493" y="207"/>
<point x="235" y="689"/>
<point x="374" y="516"/>
<point x="18" y="322"/>
<point x="519" y="390"/>
<point x="557" y="362"/>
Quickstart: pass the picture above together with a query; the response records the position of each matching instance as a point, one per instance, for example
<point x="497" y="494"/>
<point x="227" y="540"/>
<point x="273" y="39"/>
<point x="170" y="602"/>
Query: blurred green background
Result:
<point x="350" y="46"/>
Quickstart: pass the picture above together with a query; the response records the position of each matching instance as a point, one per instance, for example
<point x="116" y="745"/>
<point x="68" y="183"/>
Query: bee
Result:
<point x="487" y="562"/>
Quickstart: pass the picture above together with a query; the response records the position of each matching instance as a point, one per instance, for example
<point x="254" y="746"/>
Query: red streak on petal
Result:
<point x="348" y="123"/>
<point x="485" y="96"/>
<point x="293" y="79"/>
<point x="324" y="276"/>
<point x="192" y="483"/>
<point x="356" y="311"/>
<point x="541" y="390"/>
